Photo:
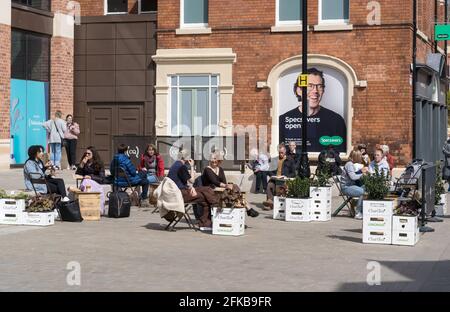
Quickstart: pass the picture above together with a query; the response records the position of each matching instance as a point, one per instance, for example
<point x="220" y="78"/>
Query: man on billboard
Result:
<point x="325" y="127"/>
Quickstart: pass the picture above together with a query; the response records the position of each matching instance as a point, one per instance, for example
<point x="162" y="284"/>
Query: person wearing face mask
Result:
<point x="321" y="121"/>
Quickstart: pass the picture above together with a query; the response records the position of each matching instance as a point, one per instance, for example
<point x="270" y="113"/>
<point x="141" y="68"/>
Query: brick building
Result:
<point x="251" y="51"/>
<point x="36" y="68"/>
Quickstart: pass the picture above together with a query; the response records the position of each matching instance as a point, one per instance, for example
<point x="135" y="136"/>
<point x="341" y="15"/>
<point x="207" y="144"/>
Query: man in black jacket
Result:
<point x="286" y="168"/>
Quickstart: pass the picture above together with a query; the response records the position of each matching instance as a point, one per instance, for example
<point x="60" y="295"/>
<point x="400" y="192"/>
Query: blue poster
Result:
<point x="29" y="104"/>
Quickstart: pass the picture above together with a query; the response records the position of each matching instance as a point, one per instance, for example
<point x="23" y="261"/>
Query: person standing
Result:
<point x="56" y="128"/>
<point x="71" y="138"/>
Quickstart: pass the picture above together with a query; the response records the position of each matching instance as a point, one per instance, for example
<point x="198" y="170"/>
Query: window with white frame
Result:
<point x="288" y="12"/>
<point x="147" y="6"/>
<point x="194" y="104"/>
<point x="194" y="13"/>
<point x="116" y="6"/>
<point x="334" y="11"/>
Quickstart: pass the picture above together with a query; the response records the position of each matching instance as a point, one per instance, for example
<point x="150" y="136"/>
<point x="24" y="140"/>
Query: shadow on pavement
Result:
<point x="346" y="238"/>
<point x="354" y="230"/>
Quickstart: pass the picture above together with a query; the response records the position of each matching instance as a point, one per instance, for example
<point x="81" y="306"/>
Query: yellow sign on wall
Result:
<point x="302" y="81"/>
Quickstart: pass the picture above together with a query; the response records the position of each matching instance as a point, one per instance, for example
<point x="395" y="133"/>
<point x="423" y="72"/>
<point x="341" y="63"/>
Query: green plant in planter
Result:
<point x="322" y="177"/>
<point x="40" y="204"/>
<point x="376" y="185"/>
<point x="298" y="188"/>
<point x="439" y="188"/>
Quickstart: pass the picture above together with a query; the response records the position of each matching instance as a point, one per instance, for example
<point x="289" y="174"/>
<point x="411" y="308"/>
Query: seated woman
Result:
<point x="184" y="178"/>
<point x="34" y="168"/>
<point x="152" y="164"/>
<point x="214" y="176"/>
<point x="351" y="180"/>
<point x="92" y="170"/>
<point x="260" y="167"/>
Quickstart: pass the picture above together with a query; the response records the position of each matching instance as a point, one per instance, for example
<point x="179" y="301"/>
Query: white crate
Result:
<point x="377" y="223"/>
<point x="439" y="210"/>
<point x="377" y="236"/>
<point x="405" y="223"/>
<point x="298" y="209"/>
<point x="38" y="218"/>
<point x="379" y="207"/>
<point x="228" y="221"/>
<point x="12" y="205"/>
<point x="405" y="238"/>
<point x="11" y="217"/>
<point x="279" y="208"/>
<point x="320" y="210"/>
<point x="323" y="193"/>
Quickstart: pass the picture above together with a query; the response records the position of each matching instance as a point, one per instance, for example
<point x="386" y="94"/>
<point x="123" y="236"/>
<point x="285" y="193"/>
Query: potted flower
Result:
<point x="298" y="201"/>
<point x="439" y="191"/>
<point x="377" y="209"/>
<point x="320" y="193"/>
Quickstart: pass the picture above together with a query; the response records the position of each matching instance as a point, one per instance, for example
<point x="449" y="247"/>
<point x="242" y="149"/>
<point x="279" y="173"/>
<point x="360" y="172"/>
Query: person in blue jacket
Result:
<point x="121" y="160"/>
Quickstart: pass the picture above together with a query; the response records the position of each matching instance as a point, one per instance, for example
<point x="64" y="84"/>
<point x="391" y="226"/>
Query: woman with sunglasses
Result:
<point x="214" y="176"/>
<point x="92" y="170"/>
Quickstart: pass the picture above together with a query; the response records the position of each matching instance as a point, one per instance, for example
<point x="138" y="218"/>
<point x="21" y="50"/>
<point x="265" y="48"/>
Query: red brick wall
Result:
<point x="379" y="54"/>
<point x="5" y="75"/>
<point x="96" y="7"/>
<point x="61" y="75"/>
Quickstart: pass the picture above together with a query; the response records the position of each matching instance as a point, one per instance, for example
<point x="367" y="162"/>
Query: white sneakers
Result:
<point x="65" y="199"/>
<point x="359" y="216"/>
<point x="205" y="229"/>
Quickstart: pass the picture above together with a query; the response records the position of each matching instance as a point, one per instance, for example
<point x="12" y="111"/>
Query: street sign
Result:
<point x="302" y="81"/>
<point x="441" y="32"/>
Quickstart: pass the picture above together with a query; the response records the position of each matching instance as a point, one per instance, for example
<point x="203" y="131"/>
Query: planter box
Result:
<point x="377" y="221"/>
<point x="38" y="218"/>
<point x="298" y="209"/>
<point x="439" y="210"/>
<point x="11" y="217"/>
<point x="89" y="205"/>
<point x="228" y="221"/>
<point x="442" y="209"/>
<point x="279" y="208"/>
<point x="12" y="205"/>
<point x="405" y="230"/>
<point x="320" y="203"/>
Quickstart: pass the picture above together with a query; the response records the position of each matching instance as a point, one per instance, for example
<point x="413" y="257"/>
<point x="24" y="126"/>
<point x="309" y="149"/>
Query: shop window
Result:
<point x="334" y="11"/>
<point x="36" y="4"/>
<point x="288" y="12"/>
<point x="194" y="13"/>
<point x="194" y="105"/>
<point x="116" y="6"/>
<point x="30" y="56"/>
<point x="147" y="6"/>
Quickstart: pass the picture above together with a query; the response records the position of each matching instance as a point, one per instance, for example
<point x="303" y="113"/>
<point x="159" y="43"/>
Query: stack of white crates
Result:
<point x="298" y="209"/>
<point x="405" y="230"/>
<point x="320" y="203"/>
<point x="377" y="221"/>
<point x="279" y="208"/>
<point x="12" y="212"/>
<point x="228" y="221"/>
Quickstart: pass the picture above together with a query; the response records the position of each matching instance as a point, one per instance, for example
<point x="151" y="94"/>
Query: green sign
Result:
<point x="441" y="32"/>
<point x="326" y="140"/>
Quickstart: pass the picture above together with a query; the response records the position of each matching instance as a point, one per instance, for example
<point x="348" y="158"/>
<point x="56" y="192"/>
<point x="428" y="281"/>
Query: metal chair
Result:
<point x="347" y="199"/>
<point x="135" y="189"/>
<point x="179" y="216"/>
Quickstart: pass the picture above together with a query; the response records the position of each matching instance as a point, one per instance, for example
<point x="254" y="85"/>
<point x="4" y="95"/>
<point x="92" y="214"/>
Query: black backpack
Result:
<point x="119" y="204"/>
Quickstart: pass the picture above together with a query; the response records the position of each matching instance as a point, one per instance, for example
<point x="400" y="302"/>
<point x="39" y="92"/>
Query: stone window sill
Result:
<point x="333" y="27"/>
<point x="287" y="28"/>
<point x="193" y="31"/>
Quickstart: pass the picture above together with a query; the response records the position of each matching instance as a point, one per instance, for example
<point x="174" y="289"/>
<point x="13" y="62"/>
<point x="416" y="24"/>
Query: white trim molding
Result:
<point x="184" y="25"/>
<point x="287" y="28"/>
<point x="194" y="61"/>
<point x="193" y="31"/>
<point x="313" y="59"/>
<point x="333" y="27"/>
<point x="105" y="9"/>
<point x="5" y="12"/>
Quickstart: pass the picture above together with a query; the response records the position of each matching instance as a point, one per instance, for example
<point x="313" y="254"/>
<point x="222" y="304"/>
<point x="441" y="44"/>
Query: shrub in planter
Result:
<point x="376" y="185"/>
<point x="40" y="204"/>
<point x="298" y="202"/>
<point x="298" y="188"/>
<point x="322" y="177"/>
<point x="439" y="188"/>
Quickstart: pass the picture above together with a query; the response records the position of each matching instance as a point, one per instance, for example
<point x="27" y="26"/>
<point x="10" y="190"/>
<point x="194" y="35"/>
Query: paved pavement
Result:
<point x="136" y="254"/>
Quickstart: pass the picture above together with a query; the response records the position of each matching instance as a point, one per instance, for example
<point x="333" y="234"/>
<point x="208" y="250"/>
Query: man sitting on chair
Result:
<point x="203" y="195"/>
<point x="285" y="169"/>
<point x="121" y="160"/>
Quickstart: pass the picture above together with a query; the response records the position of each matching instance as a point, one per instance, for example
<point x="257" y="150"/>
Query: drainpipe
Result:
<point x="414" y="77"/>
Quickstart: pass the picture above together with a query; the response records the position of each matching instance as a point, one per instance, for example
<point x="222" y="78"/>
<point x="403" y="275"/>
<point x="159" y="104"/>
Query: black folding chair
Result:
<point x="347" y="199"/>
<point x="40" y="180"/>
<point x="179" y="216"/>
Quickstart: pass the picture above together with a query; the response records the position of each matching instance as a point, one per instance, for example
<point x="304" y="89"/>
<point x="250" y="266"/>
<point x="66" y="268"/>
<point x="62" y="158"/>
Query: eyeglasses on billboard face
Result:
<point x="318" y="87"/>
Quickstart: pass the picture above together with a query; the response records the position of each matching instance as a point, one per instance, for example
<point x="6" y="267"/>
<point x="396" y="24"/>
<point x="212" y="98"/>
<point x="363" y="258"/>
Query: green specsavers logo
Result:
<point x="335" y="140"/>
